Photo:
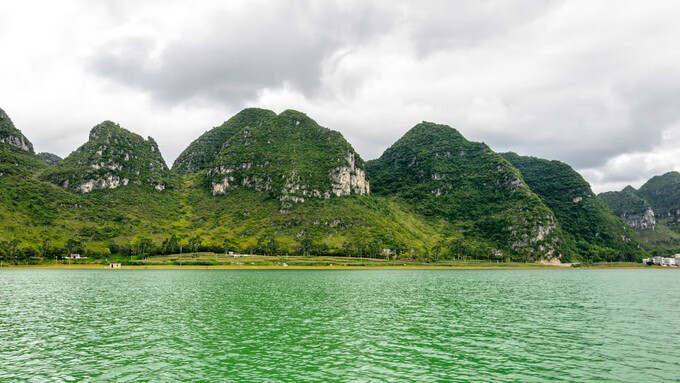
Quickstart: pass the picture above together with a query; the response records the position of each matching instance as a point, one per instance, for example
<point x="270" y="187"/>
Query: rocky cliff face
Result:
<point x="643" y="221"/>
<point x="583" y="216"/>
<point x="288" y="156"/>
<point x="12" y="136"/>
<point x="112" y="157"/>
<point x="662" y="193"/>
<point x="443" y="174"/>
<point x="634" y="210"/>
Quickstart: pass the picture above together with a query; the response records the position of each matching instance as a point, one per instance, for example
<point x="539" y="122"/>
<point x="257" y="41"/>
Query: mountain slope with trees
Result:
<point x="592" y="231"/>
<point x="435" y="169"/>
<point x="270" y="183"/>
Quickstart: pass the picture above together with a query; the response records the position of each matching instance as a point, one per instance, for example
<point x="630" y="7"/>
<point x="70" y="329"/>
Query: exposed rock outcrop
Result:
<point x="113" y="157"/>
<point x="645" y="220"/>
<point x="444" y="175"/>
<point x="12" y="136"/>
<point x="288" y="156"/>
<point x="633" y="209"/>
<point x="349" y="179"/>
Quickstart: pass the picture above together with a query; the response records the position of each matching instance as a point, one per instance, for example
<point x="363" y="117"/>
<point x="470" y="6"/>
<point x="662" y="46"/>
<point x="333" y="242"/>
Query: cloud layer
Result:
<point x="592" y="83"/>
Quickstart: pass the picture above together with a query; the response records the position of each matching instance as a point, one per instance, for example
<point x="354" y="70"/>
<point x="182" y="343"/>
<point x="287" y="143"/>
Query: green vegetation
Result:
<point x="663" y="194"/>
<point x="626" y="201"/>
<point x="111" y="157"/>
<point x="436" y="170"/>
<point x="288" y="188"/>
<point x="591" y="230"/>
<point x="10" y="135"/>
<point x="201" y="153"/>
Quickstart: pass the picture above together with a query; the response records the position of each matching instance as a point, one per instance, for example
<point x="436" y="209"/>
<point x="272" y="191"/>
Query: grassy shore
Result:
<point x="257" y="262"/>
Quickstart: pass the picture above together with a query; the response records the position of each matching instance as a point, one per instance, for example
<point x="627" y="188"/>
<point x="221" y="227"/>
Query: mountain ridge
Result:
<point x="264" y="182"/>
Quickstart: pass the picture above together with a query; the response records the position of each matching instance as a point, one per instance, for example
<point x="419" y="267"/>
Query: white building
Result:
<point x="664" y="261"/>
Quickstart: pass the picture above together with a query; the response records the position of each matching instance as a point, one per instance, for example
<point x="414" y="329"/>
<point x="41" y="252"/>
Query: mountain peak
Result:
<point x="112" y="157"/>
<point x="629" y="189"/>
<point x="49" y="158"/>
<point x="287" y="155"/>
<point x="431" y="128"/>
<point x="10" y="135"/>
<point x="445" y="175"/>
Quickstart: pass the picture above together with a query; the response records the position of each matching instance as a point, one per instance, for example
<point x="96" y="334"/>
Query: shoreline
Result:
<point x="462" y="266"/>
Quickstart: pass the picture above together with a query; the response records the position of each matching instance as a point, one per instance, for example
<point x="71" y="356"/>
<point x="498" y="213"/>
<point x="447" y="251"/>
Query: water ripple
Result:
<point x="319" y="326"/>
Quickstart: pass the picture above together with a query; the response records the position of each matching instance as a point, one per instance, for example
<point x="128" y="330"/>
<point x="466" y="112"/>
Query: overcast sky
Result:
<point x="592" y="83"/>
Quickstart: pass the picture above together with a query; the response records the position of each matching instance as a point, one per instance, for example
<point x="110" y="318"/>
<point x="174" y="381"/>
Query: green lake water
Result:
<point x="363" y="325"/>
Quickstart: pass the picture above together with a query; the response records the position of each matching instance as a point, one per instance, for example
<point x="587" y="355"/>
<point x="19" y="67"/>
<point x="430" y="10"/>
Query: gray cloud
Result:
<point x="234" y="56"/>
<point x="446" y="25"/>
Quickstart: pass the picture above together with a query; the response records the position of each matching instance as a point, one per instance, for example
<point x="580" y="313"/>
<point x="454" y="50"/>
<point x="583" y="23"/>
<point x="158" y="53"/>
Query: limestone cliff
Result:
<point x="288" y="156"/>
<point x="12" y="136"/>
<point x="112" y="157"/>
<point x="634" y="210"/>
<point x="442" y="174"/>
<point x="588" y="225"/>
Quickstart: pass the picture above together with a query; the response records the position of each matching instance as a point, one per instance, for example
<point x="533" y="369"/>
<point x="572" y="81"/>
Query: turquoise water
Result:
<point x="363" y="325"/>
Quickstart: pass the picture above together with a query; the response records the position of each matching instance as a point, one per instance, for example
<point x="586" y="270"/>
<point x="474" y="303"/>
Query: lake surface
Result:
<point x="363" y="325"/>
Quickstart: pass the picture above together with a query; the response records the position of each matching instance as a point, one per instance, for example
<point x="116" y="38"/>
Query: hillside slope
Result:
<point x="593" y="232"/>
<point x="50" y="209"/>
<point x="434" y="168"/>
<point x="111" y="158"/>
<point x="663" y="195"/>
<point x="10" y="135"/>
<point x="653" y="211"/>
<point x="201" y="153"/>
<point x="634" y="210"/>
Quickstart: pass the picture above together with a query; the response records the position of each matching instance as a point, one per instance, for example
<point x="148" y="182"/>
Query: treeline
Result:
<point x="142" y="246"/>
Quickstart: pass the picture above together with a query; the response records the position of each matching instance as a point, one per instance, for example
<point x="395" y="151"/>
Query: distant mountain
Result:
<point x="592" y="230"/>
<point x="11" y="135"/>
<point x="49" y="157"/>
<point x="112" y="157"/>
<point x="653" y="211"/>
<point x="442" y="174"/>
<point x="634" y="210"/>
<point x="663" y="194"/>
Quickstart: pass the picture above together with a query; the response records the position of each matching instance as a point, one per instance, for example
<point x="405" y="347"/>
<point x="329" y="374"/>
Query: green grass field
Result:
<point x="221" y="261"/>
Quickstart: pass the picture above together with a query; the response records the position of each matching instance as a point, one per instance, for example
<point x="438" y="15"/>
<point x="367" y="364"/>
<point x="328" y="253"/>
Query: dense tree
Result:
<point x="75" y="246"/>
<point x="170" y="245"/>
<point x="195" y="243"/>
<point x="142" y="245"/>
<point x="229" y="244"/>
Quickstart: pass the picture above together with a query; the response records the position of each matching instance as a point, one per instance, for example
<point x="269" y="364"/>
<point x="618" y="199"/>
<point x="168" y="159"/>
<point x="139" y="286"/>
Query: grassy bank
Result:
<point x="220" y="261"/>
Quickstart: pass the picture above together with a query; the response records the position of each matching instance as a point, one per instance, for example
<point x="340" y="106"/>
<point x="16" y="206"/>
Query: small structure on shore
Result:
<point x="673" y="261"/>
<point x="115" y="265"/>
